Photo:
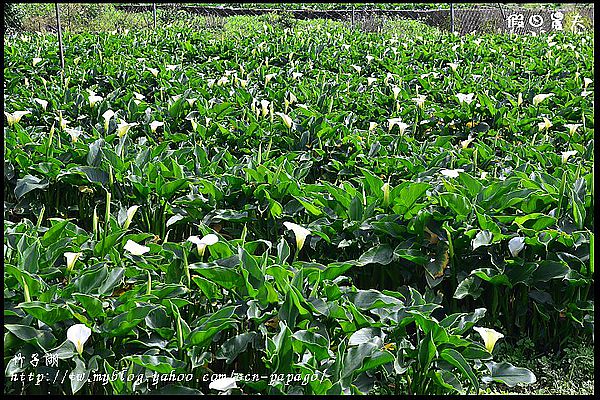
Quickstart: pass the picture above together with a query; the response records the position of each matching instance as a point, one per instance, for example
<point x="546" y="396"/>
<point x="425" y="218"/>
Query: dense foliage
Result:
<point x="303" y="200"/>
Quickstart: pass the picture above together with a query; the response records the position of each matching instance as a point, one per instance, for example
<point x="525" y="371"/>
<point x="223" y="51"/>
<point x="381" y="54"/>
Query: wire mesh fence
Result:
<point x="477" y="18"/>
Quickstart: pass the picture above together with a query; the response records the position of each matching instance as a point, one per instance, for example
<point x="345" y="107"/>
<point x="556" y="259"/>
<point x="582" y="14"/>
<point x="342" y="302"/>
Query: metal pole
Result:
<point x="352" y="24"/>
<point x="154" y="14"/>
<point x="502" y="11"/>
<point x="60" y="43"/>
<point x="451" y="17"/>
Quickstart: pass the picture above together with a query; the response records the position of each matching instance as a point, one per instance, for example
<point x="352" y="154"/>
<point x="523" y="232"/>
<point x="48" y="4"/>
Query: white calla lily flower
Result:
<point x="566" y="154"/>
<point x="372" y="126"/>
<point x="451" y="173"/>
<point x="223" y="384"/>
<point x="537" y="99"/>
<point x="397" y="121"/>
<point x="36" y="61"/>
<point x="15" y="117"/>
<point x="572" y="128"/>
<point x="300" y="233"/>
<point x="71" y="259"/>
<point x="154" y="71"/>
<point x="515" y="245"/>
<point x="386" y="194"/>
<point x="154" y="125"/>
<point x="93" y="98"/>
<point x="420" y="100"/>
<point x="62" y="122"/>
<point x="297" y="75"/>
<point x="286" y="119"/>
<point x="489" y="336"/>
<point x="79" y="334"/>
<point x="265" y="107"/>
<point x="130" y="214"/>
<point x="356" y="68"/>
<point x="75" y="133"/>
<point x="396" y="91"/>
<point x="545" y="125"/>
<point x="586" y="82"/>
<point x="108" y="114"/>
<point x="223" y="81"/>
<point x="371" y="80"/>
<point x="465" y="98"/>
<point x="42" y="103"/>
<point x="201" y="244"/>
<point x="453" y="66"/>
<point x="123" y="127"/>
<point x="268" y="78"/>
<point x="135" y="248"/>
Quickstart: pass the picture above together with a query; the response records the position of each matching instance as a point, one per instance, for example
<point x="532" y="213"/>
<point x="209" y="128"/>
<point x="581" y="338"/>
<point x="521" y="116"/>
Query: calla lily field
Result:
<point x="296" y="208"/>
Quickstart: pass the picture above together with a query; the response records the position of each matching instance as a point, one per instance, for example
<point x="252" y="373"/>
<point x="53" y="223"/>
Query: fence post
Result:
<point x="154" y="14"/>
<point x="352" y="24"/>
<point x="452" y="17"/>
<point x="60" y="44"/>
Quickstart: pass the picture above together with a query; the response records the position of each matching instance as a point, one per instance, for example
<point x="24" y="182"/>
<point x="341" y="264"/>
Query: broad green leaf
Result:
<point x="508" y="374"/>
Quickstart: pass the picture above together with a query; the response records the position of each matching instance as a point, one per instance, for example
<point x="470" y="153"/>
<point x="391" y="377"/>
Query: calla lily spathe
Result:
<point x="71" y="259"/>
<point x="397" y="121"/>
<point x="541" y="97"/>
<point x="268" y="78"/>
<point x="201" y="244"/>
<point x="451" y="173"/>
<point x="154" y="125"/>
<point x="62" y="122"/>
<point x="265" y="107"/>
<point x="130" y="214"/>
<point x="420" y="100"/>
<point x="386" y="193"/>
<point x="453" y="66"/>
<point x="79" y="334"/>
<point x="15" y="117"/>
<point x="108" y="114"/>
<point x="286" y="119"/>
<point x="572" y="128"/>
<point x="566" y="154"/>
<point x="545" y="125"/>
<point x="489" y="336"/>
<point x="123" y="127"/>
<point x="223" y="384"/>
<point x="465" y="98"/>
<point x="135" y="248"/>
<point x="74" y="133"/>
<point x="300" y="233"/>
<point x="93" y="98"/>
<point x="42" y="103"/>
